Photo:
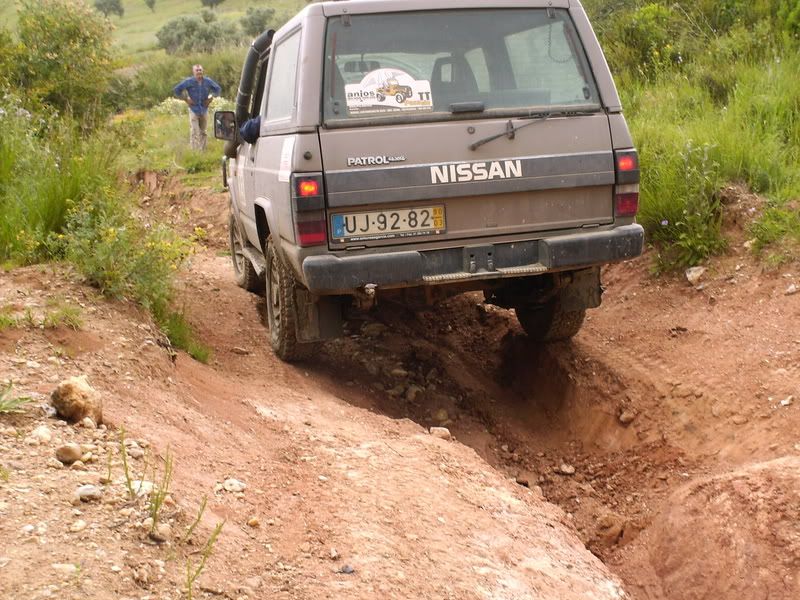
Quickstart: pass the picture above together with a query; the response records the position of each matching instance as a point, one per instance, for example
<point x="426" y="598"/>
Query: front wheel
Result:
<point x="380" y="97"/>
<point x="282" y="309"/>
<point x="243" y="271"/>
<point x="549" y="322"/>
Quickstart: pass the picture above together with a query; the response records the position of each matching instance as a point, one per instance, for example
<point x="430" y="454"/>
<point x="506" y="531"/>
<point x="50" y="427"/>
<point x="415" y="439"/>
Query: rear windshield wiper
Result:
<point x="511" y="130"/>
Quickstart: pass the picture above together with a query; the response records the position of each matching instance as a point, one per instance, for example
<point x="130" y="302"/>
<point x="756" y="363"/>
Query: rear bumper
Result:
<point x="333" y="274"/>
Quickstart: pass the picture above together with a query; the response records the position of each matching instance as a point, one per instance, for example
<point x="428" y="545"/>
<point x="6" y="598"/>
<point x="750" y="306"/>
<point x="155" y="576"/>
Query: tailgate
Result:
<point x="420" y="182"/>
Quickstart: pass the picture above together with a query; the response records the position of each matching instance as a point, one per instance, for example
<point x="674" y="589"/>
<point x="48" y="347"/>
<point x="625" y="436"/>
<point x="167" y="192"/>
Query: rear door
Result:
<point x="461" y="124"/>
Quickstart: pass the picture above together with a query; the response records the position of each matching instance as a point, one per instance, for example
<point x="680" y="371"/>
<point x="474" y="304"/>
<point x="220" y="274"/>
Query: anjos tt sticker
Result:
<point x="388" y="90"/>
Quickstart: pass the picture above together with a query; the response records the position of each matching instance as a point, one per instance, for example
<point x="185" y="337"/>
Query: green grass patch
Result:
<point x="64" y="316"/>
<point x="9" y="404"/>
<point x="182" y="336"/>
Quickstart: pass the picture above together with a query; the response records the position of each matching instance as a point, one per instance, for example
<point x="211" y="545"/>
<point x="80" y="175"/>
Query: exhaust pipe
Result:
<point x="245" y="94"/>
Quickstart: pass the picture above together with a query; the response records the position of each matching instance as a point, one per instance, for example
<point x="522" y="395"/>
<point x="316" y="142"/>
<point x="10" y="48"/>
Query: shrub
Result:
<point x="67" y="59"/>
<point x="194" y="34"/>
<point x="256" y="20"/>
<point x="109" y="7"/>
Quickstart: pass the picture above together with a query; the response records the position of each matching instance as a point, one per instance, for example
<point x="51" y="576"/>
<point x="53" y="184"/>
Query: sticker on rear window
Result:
<point x="388" y="90"/>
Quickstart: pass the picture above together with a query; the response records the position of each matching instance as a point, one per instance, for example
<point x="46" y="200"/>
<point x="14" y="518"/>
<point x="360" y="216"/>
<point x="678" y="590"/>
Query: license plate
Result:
<point x="388" y="224"/>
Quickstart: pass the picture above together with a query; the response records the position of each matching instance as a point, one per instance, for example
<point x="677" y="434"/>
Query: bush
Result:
<point x="109" y="7"/>
<point x="194" y="34"/>
<point x="67" y="60"/>
<point x="257" y="20"/>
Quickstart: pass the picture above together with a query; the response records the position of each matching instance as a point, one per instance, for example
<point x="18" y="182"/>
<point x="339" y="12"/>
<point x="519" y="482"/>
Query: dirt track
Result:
<point x="694" y="495"/>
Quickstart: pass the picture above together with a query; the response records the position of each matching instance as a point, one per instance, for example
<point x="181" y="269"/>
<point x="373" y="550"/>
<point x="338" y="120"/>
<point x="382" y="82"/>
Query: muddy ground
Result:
<point x="665" y="434"/>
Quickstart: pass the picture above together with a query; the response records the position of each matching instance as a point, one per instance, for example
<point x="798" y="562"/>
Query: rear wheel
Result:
<point x="549" y="322"/>
<point x="400" y="97"/>
<point x="282" y="309"/>
<point x="243" y="270"/>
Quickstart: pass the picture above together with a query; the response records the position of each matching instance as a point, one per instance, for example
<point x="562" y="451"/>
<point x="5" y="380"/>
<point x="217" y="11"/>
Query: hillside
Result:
<point x="136" y="29"/>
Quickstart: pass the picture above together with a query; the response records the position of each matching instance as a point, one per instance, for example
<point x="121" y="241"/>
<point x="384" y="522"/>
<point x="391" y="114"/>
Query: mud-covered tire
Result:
<point x="282" y="309"/>
<point x="549" y="323"/>
<point x="243" y="271"/>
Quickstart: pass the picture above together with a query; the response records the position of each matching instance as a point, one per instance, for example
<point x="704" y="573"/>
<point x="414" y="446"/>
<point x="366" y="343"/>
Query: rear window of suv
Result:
<point x="432" y="65"/>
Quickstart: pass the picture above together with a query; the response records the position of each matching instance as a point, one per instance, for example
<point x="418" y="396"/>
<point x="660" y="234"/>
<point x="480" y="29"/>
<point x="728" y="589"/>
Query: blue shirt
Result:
<point x="198" y="91"/>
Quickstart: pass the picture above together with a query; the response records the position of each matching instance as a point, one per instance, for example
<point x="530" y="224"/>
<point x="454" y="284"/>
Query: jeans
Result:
<point x="197" y="128"/>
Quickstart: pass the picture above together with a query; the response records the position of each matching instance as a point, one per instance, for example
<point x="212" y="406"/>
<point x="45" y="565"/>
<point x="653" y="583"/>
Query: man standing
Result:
<point x="197" y="91"/>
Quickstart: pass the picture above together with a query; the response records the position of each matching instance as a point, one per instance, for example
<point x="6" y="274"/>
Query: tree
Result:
<point x="151" y="4"/>
<point x="108" y="7"/>
<point x="211" y="3"/>
<point x="67" y="61"/>
<point x="256" y="20"/>
<point x="194" y="34"/>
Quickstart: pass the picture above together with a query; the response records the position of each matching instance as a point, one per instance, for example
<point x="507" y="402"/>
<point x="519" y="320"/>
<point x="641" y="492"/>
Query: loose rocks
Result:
<point x="74" y="399"/>
<point x="69" y="453"/>
<point x="42" y="434"/>
<point x="695" y="274"/>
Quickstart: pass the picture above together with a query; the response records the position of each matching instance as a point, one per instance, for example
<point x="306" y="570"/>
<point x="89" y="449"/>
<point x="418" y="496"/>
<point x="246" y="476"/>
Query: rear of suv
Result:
<point x="422" y="149"/>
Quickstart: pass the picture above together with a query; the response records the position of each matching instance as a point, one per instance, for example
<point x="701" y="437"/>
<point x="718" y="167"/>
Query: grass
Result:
<point x="690" y="146"/>
<point x="194" y="571"/>
<point x="182" y="336"/>
<point x="11" y="405"/>
<point x="64" y="316"/>
<point x="160" y="494"/>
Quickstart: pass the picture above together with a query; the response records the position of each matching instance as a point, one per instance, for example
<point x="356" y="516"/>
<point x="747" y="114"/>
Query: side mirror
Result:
<point x="225" y="125"/>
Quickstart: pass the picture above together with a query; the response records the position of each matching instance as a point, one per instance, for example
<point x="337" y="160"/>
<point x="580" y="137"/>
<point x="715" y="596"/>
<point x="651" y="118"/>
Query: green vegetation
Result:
<point x="710" y="92"/>
<point x="9" y="404"/>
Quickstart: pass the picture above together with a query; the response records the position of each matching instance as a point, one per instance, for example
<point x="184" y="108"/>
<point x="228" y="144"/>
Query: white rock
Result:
<point x="43" y="434"/>
<point x="233" y="485"/>
<point x="443" y="433"/>
<point x="141" y="487"/>
<point x="88" y="493"/>
<point x="787" y="401"/>
<point x="77" y="526"/>
<point x="566" y="469"/>
<point x="65" y="568"/>
<point x="695" y="274"/>
<point x="792" y="289"/>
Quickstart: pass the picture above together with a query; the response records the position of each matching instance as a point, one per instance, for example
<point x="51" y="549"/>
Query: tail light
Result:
<point x="308" y="209"/>
<point x="626" y="190"/>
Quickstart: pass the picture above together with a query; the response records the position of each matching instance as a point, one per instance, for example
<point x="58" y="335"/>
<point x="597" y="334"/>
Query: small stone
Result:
<point x="253" y="582"/>
<point x="88" y="493"/>
<point x="75" y="399"/>
<point x="695" y="274"/>
<point x="69" y="453"/>
<point x="233" y="485"/>
<point x="77" y="526"/>
<point x="626" y="417"/>
<point x="54" y="463"/>
<point x="566" y="469"/>
<point x="739" y="420"/>
<point x="30" y="441"/>
<point x="240" y="351"/>
<point x="347" y="570"/>
<point x="373" y="330"/>
<point x="43" y="434"/>
<point x="78" y="465"/>
<point x="792" y="290"/>
<point x="334" y="554"/>
<point x="787" y="401"/>
<point x="135" y="452"/>
<point x="142" y="488"/>
<point x="440" y="416"/>
<point x="443" y="433"/>
<point x="525" y="478"/>
<point x="87" y="458"/>
<point x="399" y="372"/>
<point x="161" y="533"/>
<point x="413" y="392"/>
<point x="66" y="569"/>
<point x="254" y="522"/>
<point x="88" y="423"/>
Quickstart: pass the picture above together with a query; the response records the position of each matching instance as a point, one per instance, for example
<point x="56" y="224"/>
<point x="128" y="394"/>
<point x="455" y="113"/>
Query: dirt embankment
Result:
<point x="666" y="433"/>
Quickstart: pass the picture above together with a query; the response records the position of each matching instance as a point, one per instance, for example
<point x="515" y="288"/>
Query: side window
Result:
<point x="258" y="87"/>
<point x="477" y="62"/>
<point x="281" y="98"/>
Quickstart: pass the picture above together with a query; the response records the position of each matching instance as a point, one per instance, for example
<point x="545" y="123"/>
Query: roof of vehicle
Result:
<point x="340" y="7"/>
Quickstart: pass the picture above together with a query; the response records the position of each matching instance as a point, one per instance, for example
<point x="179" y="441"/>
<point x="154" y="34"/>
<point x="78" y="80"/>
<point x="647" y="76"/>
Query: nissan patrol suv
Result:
<point x="503" y="164"/>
